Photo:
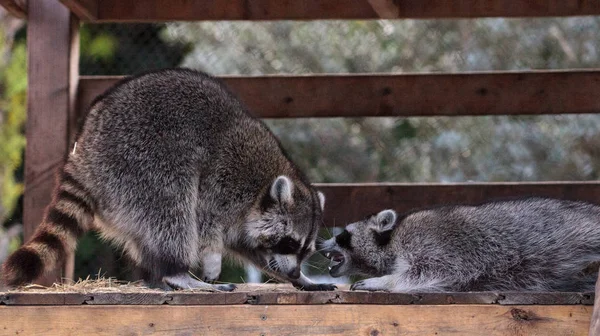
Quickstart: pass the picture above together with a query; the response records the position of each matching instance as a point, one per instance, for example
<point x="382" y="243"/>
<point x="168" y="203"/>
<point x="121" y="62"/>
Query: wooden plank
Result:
<point x="347" y="203"/>
<point x="475" y="94"/>
<point x="595" y="323"/>
<point x="43" y="298"/>
<point x="386" y="9"/>
<point x="84" y="9"/>
<point x="16" y="8"/>
<point x="296" y="320"/>
<point x="169" y="10"/>
<point x="52" y="37"/>
<point x="207" y="298"/>
<point x="274" y="295"/>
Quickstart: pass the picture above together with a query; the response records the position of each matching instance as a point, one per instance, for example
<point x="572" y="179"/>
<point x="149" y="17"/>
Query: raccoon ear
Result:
<point x="282" y="190"/>
<point x="386" y="220"/>
<point x="321" y="200"/>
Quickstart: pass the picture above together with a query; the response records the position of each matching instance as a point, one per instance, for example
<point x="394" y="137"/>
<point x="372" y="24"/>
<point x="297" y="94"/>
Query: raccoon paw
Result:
<point x="226" y="287"/>
<point x="317" y="287"/>
<point x="157" y="285"/>
<point x="365" y="285"/>
<point x="210" y="279"/>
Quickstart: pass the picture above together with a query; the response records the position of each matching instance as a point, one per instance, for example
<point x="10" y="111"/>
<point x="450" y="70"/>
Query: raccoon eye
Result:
<point x="382" y="238"/>
<point x="287" y="245"/>
<point x="344" y="239"/>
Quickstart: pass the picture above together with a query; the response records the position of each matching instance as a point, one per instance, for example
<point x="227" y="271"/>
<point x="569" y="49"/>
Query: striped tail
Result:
<point x="66" y="219"/>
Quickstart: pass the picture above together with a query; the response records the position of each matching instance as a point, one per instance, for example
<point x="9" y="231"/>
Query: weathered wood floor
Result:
<point x="282" y="310"/>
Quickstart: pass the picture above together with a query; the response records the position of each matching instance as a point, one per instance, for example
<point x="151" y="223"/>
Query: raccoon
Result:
<point x="171" y="167"/>
<point x="531" y="244"/>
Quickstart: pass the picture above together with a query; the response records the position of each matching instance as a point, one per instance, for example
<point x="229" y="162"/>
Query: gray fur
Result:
<point x="532" y="244"/>
<point x="180" y="173"/>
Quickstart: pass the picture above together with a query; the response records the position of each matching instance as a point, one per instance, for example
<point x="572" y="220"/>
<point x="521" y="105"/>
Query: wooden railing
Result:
<point x="58" y="96"/>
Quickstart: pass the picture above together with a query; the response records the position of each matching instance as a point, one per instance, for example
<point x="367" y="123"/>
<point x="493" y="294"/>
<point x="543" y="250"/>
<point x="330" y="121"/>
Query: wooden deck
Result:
<point x="53" y="46"/>
<point x="282" y="310"/>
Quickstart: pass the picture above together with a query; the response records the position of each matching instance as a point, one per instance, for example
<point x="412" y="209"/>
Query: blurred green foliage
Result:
<point x="124" y="49"/>
<point x="13" y="101"/>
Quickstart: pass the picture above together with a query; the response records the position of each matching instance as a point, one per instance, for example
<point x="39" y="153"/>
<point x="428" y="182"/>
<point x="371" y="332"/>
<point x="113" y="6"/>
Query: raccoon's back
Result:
<point x="168" y="107"/>
<point x="164" y="133"/>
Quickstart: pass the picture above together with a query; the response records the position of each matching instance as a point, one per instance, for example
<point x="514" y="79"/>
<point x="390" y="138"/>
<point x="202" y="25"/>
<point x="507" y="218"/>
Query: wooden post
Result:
<point x="595" y="322"/>
<point x="17" y="8"/>
<point x="53" y="50"/>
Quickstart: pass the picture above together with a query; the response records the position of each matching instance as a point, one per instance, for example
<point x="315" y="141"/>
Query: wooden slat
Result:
<point x="169" y="10"/>
<point x="347" y="203"/>
<point x="595" y="323"/>
<point x="296" y="320"/>
<point x="16" y="8"/>
<point x="501" y="93"/>
<point x="52" y="38"/>
<point x="284" y="294"/>
<point x="386" y="9"/>
<point x="84" y="9"/>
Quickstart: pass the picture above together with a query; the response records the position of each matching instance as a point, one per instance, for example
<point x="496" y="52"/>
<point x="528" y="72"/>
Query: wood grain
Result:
<point x="84" y="9"/>
<point x="296" y="320"/>
<point x="386" y="9"/>
<point x="279" y="295"/>
<point x="52" y="37"/>
<point x="17" y="8"/>
<point x="170" y="10"/>
<point x="476" y="94"/>
<point x="595" y="323"/>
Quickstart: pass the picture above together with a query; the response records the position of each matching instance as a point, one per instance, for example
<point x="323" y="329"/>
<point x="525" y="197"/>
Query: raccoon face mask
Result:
<point x="283" y="231"/>
<point x="360" y="246"/>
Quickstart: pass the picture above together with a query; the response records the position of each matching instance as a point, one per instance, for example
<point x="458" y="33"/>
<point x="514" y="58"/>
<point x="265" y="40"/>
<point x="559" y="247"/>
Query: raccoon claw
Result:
<point x="363" y="285"/>
<point x="226" y="287"/>
<point x="157" y="285"/>
<point x="209" y="279"/>
<point x="317" y="287"/>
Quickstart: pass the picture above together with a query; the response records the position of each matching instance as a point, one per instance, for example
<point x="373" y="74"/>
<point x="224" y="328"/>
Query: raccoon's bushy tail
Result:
<point x="66" y="219"/>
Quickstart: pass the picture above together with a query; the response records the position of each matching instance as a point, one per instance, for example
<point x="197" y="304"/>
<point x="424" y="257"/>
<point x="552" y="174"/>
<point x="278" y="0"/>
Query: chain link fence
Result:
<point x="386" y="149"/>
<point x="441" y="149"/>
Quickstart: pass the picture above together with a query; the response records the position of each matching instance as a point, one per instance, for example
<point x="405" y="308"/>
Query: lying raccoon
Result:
<point x="170" y="166"/>
<point x="531" y="244"/>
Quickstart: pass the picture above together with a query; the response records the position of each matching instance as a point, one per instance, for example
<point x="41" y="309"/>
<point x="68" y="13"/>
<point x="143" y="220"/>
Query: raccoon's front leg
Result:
<point x="384" y="283"/>
<point x="304" y="283"/>
<point x="400" y="283"/>
<point x="211" y="265"/>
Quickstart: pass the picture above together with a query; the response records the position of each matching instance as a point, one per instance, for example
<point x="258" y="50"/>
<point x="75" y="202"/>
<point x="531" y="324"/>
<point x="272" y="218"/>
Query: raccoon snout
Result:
<point x="294" y="274"/>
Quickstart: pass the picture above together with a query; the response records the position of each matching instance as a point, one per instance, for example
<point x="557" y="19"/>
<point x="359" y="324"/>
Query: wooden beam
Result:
<point x="296" y="320"/>
<point x="86" y="10"/>
<point x="168" y="10"/>
<point x="476" y="94"/>
<point x="52" y="43"/>
<point x="386" y="9"/>
<point x="285" y="294"/>
<point x="16" y="8"/>
<point x="347" y="203"/>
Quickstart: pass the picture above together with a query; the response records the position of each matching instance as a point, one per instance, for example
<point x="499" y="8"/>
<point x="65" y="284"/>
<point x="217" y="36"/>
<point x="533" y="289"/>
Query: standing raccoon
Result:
<point x="171" y="166"/>
<point x="532" y="244"/>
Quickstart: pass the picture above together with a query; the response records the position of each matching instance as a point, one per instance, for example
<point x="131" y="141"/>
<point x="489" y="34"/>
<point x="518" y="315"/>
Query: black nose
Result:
<point x="295" y="274"/>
